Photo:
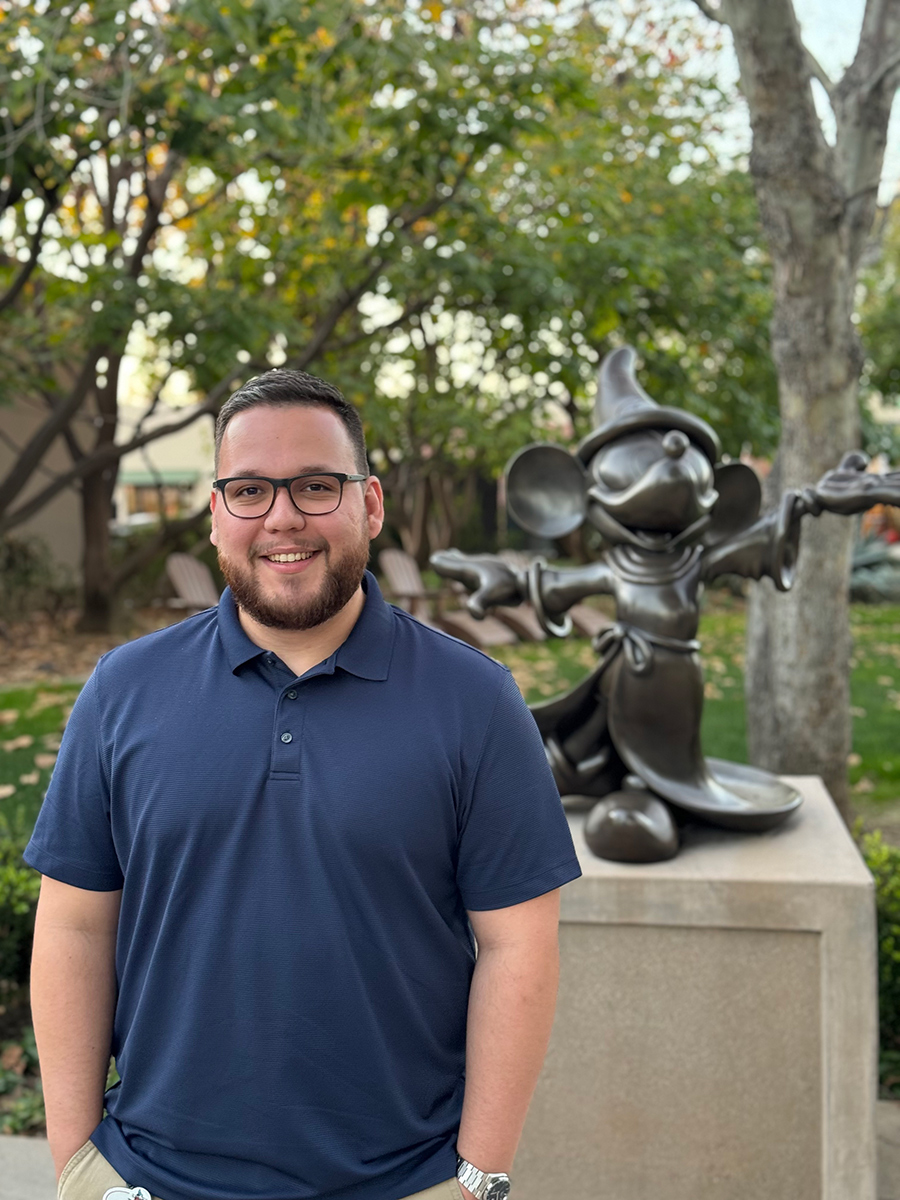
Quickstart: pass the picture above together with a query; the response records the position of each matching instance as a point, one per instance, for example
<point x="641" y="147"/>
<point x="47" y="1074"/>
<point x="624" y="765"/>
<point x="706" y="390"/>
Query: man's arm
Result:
<point x="511" y="1005"/>
<point x="73" y="996"/>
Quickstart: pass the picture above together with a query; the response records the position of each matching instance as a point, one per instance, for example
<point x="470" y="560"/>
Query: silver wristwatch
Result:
<point x="482" y="1184"/>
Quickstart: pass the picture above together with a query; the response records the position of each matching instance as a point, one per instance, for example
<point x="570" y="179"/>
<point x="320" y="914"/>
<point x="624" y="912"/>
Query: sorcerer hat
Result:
<point x="622" y="407"/>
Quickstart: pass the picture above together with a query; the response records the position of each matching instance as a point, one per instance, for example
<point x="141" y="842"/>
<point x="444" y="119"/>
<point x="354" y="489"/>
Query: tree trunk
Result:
<point x="817" y="204"/>
<point x="96" y="513"/>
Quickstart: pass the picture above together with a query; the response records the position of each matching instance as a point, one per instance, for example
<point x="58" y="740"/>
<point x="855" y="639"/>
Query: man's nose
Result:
<point x="284" y="513"/>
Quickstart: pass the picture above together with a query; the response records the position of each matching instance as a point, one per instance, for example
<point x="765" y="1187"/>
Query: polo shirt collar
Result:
<point x="366" y="652"/>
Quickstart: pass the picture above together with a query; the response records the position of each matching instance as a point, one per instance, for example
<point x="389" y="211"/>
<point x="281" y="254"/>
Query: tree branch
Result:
<point x="817" y="71"/>
<point x="111" y="453"/>
<point x="25" y="273"/>
<point x="882" y="72"/>
<point x="39" y="444"/>
<point x="710" y="13"/>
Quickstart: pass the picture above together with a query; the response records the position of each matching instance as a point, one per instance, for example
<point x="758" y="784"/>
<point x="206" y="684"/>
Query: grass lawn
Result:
<point x="31" y="724"/>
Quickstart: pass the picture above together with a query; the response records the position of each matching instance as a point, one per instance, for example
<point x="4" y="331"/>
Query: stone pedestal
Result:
<point x="716" y="1033"/>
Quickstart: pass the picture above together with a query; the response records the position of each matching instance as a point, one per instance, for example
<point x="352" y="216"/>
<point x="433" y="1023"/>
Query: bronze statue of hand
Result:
<point x="490" y="579"/>
<point x="851" y="489"/>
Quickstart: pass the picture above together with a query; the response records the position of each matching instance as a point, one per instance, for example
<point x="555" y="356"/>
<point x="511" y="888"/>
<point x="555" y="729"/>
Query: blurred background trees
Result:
<point x="450" y="211"/>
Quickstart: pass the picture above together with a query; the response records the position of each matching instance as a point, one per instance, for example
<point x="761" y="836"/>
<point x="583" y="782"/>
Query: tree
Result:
<point x="450" y="211"/>
<point x="817" y="203"/>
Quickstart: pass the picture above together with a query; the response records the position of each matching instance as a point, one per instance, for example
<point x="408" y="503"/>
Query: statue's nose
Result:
<point x="675" y="443"/>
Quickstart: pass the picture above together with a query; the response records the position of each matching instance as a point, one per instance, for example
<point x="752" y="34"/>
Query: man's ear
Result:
<point x="213" y="534"/>
<point x="374" y="501"/>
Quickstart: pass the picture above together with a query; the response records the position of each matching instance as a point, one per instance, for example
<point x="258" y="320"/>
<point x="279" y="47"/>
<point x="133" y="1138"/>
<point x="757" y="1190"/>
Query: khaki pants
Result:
<point x="87" y="1175"/>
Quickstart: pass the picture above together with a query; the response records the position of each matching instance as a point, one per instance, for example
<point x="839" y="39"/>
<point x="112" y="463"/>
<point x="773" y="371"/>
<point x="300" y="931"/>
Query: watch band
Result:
<point x="484" y="1185"/>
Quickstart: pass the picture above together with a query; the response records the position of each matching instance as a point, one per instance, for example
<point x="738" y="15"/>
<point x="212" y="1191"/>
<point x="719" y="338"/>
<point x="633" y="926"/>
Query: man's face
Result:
<point x="280" y="442"/>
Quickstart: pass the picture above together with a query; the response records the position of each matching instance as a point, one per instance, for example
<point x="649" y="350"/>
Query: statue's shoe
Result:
<point x="631" y="826"/>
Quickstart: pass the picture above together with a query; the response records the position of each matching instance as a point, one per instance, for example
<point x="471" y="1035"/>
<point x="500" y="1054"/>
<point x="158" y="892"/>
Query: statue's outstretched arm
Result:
<point x="767" y="547"/>
<point x="851" y="489"/>
<point x="551" y="590"/>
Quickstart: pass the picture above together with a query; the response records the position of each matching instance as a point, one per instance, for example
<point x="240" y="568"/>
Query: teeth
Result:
<point x="288" y="558"/>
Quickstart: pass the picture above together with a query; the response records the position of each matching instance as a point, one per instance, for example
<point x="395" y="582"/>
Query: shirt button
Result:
<point x="292" y="695"/>
<point x="287" y="737"/>
<point x="270" y="660"/>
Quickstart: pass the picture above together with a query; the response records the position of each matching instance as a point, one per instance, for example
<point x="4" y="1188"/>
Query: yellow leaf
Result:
<point x="625" y="196"/>
<point x="434" y="9"/>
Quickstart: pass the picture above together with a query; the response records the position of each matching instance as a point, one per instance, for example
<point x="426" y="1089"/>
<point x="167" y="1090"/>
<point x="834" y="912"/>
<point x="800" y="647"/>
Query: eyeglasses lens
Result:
<point x="312" y="494"/>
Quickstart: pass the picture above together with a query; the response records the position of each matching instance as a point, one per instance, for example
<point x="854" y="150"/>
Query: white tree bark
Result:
<point x="817" y="204"/>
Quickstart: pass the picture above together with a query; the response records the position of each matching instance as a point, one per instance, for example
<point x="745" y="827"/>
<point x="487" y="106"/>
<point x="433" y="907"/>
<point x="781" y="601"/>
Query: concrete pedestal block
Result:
<point x="716" y="1033"/>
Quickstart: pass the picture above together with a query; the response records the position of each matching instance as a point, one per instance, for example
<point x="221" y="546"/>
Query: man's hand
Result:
<point x="490" y="579"/>
<point x="850" y="489"/>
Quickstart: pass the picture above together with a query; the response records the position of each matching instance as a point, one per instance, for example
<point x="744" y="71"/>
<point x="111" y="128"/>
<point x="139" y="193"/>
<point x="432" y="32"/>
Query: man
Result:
<point x="267" y="834"/>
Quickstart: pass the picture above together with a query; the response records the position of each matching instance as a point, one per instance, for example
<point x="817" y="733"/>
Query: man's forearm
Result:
<point x="511" y="1005"/>
<point x="73" y="992"/>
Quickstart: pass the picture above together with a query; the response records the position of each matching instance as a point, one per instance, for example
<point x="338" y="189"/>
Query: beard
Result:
<point x="343" y="576"/>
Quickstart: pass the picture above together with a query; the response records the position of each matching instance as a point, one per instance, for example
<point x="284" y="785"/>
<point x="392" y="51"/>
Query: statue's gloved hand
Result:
<point x="850" y="489"/>
<point x="490" y="579"/>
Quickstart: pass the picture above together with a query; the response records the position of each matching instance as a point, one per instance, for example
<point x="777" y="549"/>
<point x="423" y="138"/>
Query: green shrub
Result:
<point x="19" y="888"/>
<point x="884" y="863"/>
<point x="31" y="580"/>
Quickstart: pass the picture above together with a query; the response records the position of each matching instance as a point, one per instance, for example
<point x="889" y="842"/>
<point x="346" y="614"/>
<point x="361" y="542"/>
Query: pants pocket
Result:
<point x="72" y="1164"/>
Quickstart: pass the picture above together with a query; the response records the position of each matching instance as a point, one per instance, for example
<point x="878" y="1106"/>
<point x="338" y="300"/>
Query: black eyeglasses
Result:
<point x="313" y="495"/>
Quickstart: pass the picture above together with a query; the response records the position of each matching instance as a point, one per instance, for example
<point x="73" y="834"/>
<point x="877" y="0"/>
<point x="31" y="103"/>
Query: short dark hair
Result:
<point x="284" y="387"/>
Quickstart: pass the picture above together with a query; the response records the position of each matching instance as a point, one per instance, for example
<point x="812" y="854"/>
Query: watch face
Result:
<point x="499" y="1190"/>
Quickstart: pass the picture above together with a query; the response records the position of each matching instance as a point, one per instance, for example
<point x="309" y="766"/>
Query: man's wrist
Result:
<point x="481" y="1184"/>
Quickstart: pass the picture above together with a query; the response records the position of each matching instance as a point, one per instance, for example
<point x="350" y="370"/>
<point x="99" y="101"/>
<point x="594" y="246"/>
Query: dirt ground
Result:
<point x="50" y="650"/>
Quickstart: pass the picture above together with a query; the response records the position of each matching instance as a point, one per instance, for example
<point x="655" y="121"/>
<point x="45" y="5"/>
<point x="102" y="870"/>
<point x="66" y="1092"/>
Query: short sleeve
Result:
<point x="514" y="842"/>
<point x="72" y="839"/>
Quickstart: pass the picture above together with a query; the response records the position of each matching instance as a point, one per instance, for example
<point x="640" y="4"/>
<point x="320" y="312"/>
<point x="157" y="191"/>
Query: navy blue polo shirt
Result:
<point x="296" y="858"/>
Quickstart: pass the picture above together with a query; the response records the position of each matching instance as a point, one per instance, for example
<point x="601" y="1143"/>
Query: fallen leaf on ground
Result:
<point x="857" y="712"/>
<point x="885" y="681"/>
<point x="19" y="743"/>
<point x="9" y="716"/>
<point x="51" y="741"/>
<point x="44" y="760"/>
<point x="853" y="760"/>
<point x="864" y="785"/>
<point x="6" y="790"/>
<point x="44" y="700"/>
<point x="30" y="778"/>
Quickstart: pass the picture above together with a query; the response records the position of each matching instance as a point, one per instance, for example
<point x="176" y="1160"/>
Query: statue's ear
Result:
<point x="546" y="490"/>
<point x="737" y="507"/>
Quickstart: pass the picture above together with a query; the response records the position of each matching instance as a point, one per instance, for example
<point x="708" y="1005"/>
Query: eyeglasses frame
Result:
<point x="341" y="476"/>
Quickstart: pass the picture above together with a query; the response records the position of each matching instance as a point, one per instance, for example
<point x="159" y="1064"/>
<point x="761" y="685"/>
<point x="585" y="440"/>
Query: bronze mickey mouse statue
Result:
<point x="626" y="740"/>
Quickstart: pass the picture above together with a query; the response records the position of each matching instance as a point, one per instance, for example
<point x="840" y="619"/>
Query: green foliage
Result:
<point x="452" y="210"/>
<point x="31" y="580"/>
<point x="884" y="863"/>
<point x="879" y="315"/>
<point x="21" y="1095"/>
<point x="19" y="888"/>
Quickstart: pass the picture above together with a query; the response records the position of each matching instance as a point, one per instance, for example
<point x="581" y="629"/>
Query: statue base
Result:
<point x="716" y="1033"/>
